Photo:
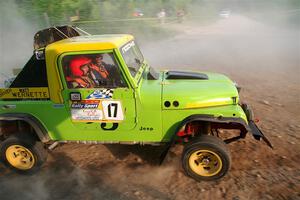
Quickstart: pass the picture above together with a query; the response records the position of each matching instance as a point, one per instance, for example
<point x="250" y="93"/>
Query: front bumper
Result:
<point x="256" y="132"/>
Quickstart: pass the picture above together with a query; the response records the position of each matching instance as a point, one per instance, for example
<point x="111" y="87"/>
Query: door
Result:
<point x="97" y="96"/>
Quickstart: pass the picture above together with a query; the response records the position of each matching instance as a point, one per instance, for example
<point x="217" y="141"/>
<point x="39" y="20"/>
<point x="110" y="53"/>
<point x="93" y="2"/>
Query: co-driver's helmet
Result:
<point x="76" y="63"/>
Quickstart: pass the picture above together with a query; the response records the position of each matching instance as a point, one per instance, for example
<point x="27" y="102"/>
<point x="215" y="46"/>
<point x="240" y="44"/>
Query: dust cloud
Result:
<point x="64" y="178"/>
<point x="16" y="38"/>
<point x="236" y="45"/>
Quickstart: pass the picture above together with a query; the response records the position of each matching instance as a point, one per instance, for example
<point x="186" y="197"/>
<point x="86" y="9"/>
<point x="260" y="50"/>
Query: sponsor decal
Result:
<point x="127" y="46"/>
<point x="86" y="110"/>
<point x="85" y="104"/>
<point x="75" y="96"/>
<point x="24" y="93"/>
<point x="97" y="111"/>
<point x="101" y="94"/>
<point x="86" y="115"/>
<point x="4" y="92"/>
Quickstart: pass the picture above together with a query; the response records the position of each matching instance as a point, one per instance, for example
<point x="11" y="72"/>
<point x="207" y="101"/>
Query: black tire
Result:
<point x="22" y="153"/>
<point x="206" y="158"/>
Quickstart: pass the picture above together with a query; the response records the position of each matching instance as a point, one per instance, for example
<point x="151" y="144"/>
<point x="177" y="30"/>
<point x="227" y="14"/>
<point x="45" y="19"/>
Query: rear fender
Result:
<point x="37" y="126"/>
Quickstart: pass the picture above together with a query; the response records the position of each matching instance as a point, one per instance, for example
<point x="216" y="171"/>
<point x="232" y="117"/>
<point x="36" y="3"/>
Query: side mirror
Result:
<point x="39" y="54"/>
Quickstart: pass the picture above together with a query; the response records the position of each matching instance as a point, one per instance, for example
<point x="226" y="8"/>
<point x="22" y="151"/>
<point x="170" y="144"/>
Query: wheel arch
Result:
<point x="203" y="118"/>
<point x="211" y="118"/>
<point x="40" y="131"/>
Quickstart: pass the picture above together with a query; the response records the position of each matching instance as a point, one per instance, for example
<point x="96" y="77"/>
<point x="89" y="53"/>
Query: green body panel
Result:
<point x="173" y="118"/>
<point x="53" y="116"/>
<point x="146" y="118"/>
<point x="217" y="90"/>
<point x="149" y="107"/>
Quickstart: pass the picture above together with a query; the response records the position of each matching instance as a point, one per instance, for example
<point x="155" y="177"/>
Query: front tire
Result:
<point x="206" y="158"/>
<point x="23" y="153"/>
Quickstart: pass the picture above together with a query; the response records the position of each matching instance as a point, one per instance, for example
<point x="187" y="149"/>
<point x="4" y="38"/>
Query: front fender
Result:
<point x="206" y="118"/>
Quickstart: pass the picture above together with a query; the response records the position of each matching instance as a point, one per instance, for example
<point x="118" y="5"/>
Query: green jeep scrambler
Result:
<point x="100" y="89"/>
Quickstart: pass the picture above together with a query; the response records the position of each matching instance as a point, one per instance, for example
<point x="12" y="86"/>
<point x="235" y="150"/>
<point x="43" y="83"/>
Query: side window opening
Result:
<point x="98" y="70"/>
<point x="34" y="74"/>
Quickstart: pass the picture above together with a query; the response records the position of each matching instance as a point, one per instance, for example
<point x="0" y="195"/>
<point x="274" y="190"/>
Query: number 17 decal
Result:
<point x="113" y="110"/>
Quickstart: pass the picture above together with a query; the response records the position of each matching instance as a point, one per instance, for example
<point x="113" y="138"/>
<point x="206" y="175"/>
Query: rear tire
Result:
<point x="23" y="153"/>
<point x="206" y="158"/>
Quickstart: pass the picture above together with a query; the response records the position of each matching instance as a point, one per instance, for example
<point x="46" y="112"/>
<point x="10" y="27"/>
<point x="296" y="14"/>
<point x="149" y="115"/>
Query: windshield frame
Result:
<point x="131" y="51"/>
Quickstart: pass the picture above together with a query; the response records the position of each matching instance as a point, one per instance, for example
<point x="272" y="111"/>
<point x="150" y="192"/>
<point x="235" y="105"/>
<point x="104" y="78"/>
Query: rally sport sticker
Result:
<point x="97" y="111"/>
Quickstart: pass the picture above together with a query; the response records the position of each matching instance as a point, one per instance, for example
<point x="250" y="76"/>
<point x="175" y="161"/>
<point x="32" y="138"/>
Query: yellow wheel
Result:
<point x="206" y="158"/>
<point x="205" y="163"/>
<point x="23" y="153"/>
<point x="19" y="157"/>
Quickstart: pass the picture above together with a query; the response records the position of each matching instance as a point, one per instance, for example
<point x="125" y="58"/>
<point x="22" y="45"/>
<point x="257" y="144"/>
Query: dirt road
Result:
<point x="264" y="60"/>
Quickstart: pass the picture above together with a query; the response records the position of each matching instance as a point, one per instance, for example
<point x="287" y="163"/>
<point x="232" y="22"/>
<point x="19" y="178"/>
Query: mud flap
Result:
<point x="165" y="152"/>
<point x="257" y="133"/>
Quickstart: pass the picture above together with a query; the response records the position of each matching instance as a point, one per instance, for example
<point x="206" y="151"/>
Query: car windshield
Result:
<point x="132" y="56"/>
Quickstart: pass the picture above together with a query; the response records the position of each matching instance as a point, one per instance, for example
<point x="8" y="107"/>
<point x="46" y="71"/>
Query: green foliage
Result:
<point x="57" y="12"/>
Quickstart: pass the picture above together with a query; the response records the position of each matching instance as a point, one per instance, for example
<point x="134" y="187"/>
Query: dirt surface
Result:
<point x="264" y="60"/>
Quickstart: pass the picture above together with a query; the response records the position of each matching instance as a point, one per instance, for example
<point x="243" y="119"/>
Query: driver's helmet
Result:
<point x="76" y="63"/>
